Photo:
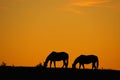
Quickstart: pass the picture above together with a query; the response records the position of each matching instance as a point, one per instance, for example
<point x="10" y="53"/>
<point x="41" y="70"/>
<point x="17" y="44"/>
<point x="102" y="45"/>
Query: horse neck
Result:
<point x="75" y="62"/>
<point x="47" y="59"/>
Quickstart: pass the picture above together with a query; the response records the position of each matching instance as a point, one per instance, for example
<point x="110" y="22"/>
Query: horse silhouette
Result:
<point x="57" y="56"/>
<point x="86" y="59"/>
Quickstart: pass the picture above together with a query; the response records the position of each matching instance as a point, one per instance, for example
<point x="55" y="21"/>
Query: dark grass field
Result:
<point x="37" y="73"/>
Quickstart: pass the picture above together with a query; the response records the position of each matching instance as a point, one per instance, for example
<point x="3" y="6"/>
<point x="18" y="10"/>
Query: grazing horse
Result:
<point x="57" y="56"/>
<point x="86" y="59"/>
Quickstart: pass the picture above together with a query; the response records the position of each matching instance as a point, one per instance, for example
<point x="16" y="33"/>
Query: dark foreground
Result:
<point x="36" y="73"/>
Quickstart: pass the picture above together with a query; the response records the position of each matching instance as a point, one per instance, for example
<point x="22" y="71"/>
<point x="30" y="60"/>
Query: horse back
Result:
<point x="58" y="56"/>
<point x="88" y="58"/>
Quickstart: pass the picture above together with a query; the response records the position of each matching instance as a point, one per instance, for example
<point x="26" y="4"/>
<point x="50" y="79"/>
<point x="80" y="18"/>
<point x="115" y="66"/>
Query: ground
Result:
<point x="37" y="73"/>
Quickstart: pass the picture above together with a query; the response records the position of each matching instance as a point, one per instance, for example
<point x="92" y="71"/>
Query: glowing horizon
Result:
<point x="30" y="30"/>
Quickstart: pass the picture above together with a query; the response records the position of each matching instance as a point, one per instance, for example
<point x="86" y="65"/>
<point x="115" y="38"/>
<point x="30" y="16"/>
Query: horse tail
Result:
<point x="97" y="63"/>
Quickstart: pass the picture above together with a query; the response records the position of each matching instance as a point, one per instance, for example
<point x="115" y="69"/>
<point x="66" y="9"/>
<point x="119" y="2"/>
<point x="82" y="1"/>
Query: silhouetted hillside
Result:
<point x="37" y="73"/>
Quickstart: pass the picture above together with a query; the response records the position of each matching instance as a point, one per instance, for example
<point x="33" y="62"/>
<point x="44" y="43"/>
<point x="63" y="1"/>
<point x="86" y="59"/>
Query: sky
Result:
<point x="31" y="29"/>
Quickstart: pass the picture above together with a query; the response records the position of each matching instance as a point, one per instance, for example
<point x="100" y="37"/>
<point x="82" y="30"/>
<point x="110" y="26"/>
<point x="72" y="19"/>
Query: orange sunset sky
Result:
<point x="31" y="29"/>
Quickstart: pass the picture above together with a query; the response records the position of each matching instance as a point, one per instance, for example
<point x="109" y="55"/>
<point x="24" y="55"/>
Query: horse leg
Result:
<point x="63" y="63"/>
<point x="79" y="65"/>
<point x="93" y="65"/>
<point x="83" y="66"/>
<point x="54" y="64"/>
<point x="66" y="63"/>
<point x="50" y="63"/>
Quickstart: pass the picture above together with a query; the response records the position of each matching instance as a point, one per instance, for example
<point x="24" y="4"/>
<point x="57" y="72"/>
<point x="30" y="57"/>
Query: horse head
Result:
<point x="73" y="65"/>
